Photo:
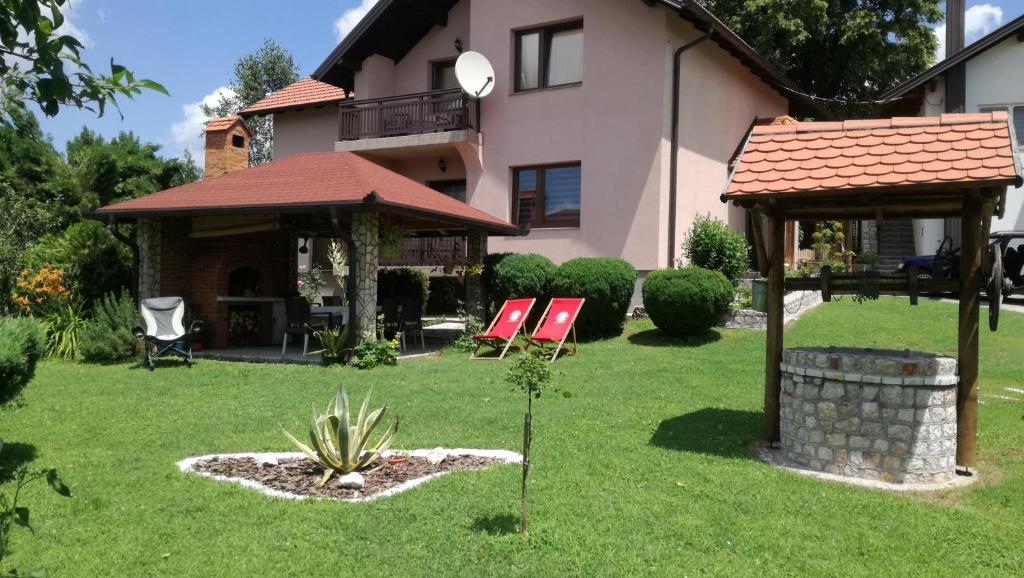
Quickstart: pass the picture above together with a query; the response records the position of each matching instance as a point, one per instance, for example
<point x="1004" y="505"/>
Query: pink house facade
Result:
<point x="576" y="139"/>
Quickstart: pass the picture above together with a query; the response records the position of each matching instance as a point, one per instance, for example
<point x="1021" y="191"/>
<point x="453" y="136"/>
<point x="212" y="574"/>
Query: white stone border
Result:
<point x="187" y="465"/>
<point x="774" y="457"/>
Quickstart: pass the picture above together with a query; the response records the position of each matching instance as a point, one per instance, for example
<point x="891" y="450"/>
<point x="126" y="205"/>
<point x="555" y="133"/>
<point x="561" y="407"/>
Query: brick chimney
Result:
<point x="956" y="77"/>
<point x="227" y="146"/>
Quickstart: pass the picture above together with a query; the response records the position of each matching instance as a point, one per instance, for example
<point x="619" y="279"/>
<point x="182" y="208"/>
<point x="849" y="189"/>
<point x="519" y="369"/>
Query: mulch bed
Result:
<point x="301" y="476"/>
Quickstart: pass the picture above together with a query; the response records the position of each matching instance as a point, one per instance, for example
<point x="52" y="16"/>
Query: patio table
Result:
<point x="330" y="312"/>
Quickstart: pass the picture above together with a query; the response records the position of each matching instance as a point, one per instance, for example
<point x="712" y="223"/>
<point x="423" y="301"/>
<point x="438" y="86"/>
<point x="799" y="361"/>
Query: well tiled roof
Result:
<point x="876" y="153"/>
<point x="224" y="123"/>
<point x="305" y="92"/>
<point x="314" y="180"/>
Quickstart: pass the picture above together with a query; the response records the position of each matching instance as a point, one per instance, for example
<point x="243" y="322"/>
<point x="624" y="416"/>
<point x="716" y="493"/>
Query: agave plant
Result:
<point x="341" y="446"/>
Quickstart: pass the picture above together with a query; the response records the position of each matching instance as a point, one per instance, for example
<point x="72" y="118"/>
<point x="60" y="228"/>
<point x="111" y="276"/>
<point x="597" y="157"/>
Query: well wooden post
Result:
<point x="967" y="337"/>
<point x="775" y="253"/>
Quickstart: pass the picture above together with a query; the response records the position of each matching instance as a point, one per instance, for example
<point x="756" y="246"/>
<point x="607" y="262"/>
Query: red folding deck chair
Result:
<point x="558" y="320"/>
<point x="506" y="325"/>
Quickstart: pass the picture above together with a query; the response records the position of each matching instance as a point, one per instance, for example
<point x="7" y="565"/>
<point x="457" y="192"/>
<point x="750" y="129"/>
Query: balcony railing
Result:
<point x="428" y="112"/>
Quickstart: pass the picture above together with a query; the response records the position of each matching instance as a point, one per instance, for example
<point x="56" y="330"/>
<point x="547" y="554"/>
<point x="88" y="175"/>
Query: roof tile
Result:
<point x="313" y="179"/>
<point x="305" y="92"/>
<point x="859" y="154"/>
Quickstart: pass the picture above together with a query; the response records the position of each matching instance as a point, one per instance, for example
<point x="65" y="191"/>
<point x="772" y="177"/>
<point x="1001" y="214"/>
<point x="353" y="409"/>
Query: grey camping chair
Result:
<point x="165" y="330"/>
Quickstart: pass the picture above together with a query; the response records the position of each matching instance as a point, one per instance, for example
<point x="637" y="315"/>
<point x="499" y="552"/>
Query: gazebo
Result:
<point x="956" y="165"/>
<point x="231" y="240"/>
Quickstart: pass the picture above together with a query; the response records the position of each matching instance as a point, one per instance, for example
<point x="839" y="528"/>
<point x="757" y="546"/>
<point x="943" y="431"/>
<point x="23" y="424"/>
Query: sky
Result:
<point x="190" y="47"/>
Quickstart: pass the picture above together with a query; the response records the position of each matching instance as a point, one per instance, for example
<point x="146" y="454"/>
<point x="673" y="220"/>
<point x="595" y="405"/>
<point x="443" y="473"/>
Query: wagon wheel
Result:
<point x="994" y="289"/>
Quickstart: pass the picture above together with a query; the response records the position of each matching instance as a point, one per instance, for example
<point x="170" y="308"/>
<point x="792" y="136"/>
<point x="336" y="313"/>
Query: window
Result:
<point x="237" y="141"/>
<point x="1016" y="113"/>
<point x="547" y="196"/>
<point x="550" y="56"/>
<point x="455" y="189"/>
<point x="442" y="75"/>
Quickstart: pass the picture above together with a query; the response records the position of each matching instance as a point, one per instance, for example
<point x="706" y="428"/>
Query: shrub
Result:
<point x="686" y="302"/>
<point x="607" y="285"/>
<point x="523" y="276"/>
<point x="22" y="343"/>
<point x="94" y="262"/>
<point x="711" y="244"/>
<point x="403" y="283"/>
<point x="372" y="353"/>
<point x="473" y="326"/>
<point x="490" y="261"/>
<point x="64" y="323"/>
<point x="447" y="294"/>
<point x="107" y="337"/>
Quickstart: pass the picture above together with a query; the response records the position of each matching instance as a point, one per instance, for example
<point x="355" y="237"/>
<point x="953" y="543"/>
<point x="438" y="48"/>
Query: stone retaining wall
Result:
<point x="871" y="414"/>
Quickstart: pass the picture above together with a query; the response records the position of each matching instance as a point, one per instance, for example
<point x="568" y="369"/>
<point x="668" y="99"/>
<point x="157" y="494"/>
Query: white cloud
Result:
<point x="979" y="21"/>
<point x="71" y="11"/>
<point x="187" y="133"/>
<point x="349" y="18"/>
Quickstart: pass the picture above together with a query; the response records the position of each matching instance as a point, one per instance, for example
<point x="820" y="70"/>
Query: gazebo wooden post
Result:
<point x="775" y="254"/>
<point x="967" y="337"/>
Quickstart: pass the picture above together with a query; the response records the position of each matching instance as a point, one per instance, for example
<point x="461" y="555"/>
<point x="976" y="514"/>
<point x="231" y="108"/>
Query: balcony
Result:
<point x="440" y="117"/>
<point x="428" y="252"/>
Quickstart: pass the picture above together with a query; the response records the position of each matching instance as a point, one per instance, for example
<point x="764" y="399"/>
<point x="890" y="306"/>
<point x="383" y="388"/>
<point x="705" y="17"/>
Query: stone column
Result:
<point x="476" y="248"/>
<point x="147" y="236"/>
<point x="365" y="231"/>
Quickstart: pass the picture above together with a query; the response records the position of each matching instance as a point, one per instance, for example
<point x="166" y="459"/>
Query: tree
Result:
<point x="33" y="55"/>
<point x="850" y="50"/>
<point x="269" y="69"/>
<point x="123" y="168"/>
<point x="530" y="374"/>
<point x="37" y="193"/>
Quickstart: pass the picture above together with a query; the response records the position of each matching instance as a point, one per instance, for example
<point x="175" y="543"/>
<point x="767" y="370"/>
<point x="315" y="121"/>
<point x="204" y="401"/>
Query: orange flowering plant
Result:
<point x="38" y="290"/>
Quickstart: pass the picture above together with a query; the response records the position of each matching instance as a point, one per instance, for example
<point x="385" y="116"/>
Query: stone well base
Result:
<point x="871" y="414"/>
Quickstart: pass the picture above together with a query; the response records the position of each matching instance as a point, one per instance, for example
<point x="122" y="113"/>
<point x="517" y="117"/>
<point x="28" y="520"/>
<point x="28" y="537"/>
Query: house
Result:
<point x="610" y="128"/>
<point x="576" y="140"/>
<point x="983" y="77"/>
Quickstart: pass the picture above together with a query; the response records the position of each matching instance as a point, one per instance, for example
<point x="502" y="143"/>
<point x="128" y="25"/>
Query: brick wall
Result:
<point x="198" y="269"/>
<point x="222" y="156"/>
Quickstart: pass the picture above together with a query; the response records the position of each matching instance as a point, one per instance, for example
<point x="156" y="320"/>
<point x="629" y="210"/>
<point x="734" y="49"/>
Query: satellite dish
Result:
<point x="475" y="74"/>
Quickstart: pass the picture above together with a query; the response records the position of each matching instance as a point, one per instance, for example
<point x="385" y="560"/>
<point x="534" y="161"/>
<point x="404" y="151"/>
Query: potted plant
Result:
<point x="334" y="341"/>
<point x="203" y="336"/>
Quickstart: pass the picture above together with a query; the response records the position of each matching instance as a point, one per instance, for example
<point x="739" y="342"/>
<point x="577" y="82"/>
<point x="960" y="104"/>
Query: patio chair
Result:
<point x="410" y="317"/>
<point x="555" y="325"/>
<point x="299" y="321"/>
<point x="504" y="328"/>
<point x="165" y="331"/>
<point x="331" y="300"/>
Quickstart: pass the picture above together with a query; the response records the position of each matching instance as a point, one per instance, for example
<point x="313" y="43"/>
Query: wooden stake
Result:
<point x="776" y="319"/>
<point x="527" y="419"/>
<point x="967" y="338"/>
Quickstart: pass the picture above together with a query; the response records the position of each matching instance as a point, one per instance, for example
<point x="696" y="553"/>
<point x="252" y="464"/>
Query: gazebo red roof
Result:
<point x="876" y="154"/>
<point x="305" y="92"/>
<point x="309" y="181"/>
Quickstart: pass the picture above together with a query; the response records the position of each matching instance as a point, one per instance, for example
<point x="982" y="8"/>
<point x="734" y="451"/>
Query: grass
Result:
<point x="643" y="470"/>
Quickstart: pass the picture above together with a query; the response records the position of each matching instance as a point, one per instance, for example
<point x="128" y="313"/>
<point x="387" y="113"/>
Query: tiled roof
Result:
<point x="224" y="123"/>
<point x="315" y="180"/>
<point x="305" y="92"/>
<point x="882" y="153"/>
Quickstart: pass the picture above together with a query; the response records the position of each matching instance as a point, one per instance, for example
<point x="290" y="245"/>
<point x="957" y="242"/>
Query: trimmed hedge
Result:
<point x="607" y="285"/>
<point x="686" y="302"/>
<point x="22" y="343"/>
<point x="521" y="276"/>
<point x="403" y="283"/>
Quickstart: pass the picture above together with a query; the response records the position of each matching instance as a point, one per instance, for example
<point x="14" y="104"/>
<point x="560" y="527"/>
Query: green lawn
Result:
<point x="642" y="471"/>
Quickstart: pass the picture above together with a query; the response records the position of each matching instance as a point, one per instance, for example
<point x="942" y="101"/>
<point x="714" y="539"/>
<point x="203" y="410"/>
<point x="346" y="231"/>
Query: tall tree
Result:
<point x="33" y="56"/>
<point x="845" y="50"/>
<point x="269" y="69"/>
<point x="37" y="194"/>
<point x="123" y="168"/>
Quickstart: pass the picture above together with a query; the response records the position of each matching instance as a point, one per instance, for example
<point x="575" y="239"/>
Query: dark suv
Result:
<point x="945" y="263"/>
